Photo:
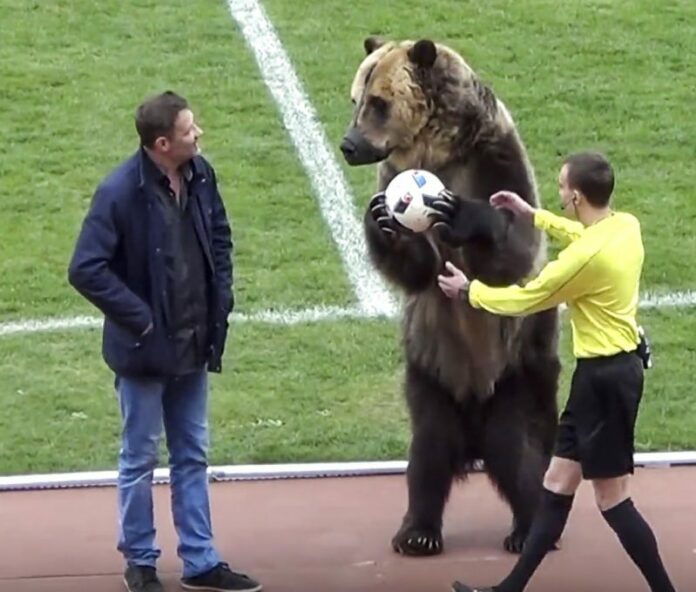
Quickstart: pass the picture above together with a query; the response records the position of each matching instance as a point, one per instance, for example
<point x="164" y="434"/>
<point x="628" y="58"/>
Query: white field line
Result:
<point x="292" y="317"/>
<point x="271" y="317"/>
<point x="674" y="299"/>
<point x="305" y="130"/>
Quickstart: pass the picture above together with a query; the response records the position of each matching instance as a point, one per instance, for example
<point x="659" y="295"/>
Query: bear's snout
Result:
<point x="357" y="150"/>
<point x="348" y="148"/>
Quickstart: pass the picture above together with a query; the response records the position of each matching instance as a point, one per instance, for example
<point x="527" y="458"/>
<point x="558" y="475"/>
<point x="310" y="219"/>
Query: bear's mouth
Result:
<point x="357" y="150"/>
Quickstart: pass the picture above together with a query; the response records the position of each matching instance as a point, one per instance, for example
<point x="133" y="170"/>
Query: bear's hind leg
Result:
<point x="434" y="457"/>
<point x="515" y="460"/>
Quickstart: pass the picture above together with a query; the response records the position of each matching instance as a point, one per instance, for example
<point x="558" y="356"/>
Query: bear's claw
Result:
<point x="418" y="542"/>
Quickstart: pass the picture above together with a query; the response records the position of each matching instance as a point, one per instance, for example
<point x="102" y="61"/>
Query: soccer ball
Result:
<point x="408" y="197"/>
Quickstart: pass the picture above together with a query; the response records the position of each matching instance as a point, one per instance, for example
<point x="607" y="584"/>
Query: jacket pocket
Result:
<point x="136" y="355"/>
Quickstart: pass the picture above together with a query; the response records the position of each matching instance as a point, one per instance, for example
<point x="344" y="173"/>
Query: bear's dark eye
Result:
<point x="380" y="106"/>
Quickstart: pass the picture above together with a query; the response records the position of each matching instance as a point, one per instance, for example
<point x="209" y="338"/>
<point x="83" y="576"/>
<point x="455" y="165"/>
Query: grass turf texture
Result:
<point x="612" y="76"/>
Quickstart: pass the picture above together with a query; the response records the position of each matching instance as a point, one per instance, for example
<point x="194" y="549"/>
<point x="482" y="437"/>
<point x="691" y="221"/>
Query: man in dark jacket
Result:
<point x="155" y="256"/>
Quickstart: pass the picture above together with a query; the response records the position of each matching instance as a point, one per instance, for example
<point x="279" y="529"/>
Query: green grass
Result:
<point x="318" y="392"/>
<point x="73" y="73"/>
<point x="617" y="76"/>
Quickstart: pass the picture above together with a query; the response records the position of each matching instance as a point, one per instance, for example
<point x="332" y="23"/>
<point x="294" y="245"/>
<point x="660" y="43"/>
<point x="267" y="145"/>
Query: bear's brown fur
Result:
<point x="478" y="386"/>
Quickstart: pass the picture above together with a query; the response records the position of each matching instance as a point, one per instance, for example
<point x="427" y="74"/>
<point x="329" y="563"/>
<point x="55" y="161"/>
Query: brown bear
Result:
<point x="478" y="386"/>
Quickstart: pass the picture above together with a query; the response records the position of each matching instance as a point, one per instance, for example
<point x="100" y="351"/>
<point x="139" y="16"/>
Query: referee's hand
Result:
<point x="509" y="200"/>
<point x="453" y="285"/>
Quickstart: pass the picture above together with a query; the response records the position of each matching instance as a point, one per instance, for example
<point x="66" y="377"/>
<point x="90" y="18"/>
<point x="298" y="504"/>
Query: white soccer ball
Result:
<point x="409" y="195"/>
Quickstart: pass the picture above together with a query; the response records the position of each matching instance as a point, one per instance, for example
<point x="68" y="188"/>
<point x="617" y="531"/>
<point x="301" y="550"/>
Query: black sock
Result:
<point x="545" y="531"/>
<point x="640" y="544"/>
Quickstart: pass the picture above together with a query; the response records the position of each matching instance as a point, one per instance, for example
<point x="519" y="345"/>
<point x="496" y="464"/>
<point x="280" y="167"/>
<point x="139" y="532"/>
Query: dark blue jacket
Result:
<point x="119" y="266"/>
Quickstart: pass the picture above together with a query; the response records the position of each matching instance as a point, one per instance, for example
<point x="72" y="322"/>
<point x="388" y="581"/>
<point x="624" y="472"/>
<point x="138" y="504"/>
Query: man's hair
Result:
<point x="592" y="175"/>
<point x="157" y="115"/>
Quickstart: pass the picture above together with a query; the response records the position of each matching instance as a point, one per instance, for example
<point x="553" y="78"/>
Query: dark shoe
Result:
<point x="221" y="579"/>
<point x="138" y="578"/>
<point x="459" y="587"/>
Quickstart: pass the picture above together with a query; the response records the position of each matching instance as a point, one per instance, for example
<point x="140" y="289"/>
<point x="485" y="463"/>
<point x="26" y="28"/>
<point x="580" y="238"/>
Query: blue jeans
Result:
<point x="181" y="404"/>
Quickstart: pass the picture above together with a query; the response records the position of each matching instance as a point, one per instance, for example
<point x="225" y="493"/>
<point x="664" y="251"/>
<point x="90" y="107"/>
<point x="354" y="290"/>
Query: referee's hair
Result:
<point x="592" y="175"/>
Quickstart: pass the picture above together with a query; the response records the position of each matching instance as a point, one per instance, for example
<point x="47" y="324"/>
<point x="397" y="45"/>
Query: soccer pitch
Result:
<point x="312" y="370"/>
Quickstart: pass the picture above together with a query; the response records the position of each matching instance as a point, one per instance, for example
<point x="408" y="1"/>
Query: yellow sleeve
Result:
<point x="560" y="281"/>
<point x="564" y="230"/>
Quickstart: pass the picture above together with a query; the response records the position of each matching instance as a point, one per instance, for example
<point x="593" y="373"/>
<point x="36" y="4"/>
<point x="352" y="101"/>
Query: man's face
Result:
<point x="565" y="193"/>
<point x="182" y="145"/>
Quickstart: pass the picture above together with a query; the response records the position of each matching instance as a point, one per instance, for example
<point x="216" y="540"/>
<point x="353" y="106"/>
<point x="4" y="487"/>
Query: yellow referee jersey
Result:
<point x="597" y="275"/>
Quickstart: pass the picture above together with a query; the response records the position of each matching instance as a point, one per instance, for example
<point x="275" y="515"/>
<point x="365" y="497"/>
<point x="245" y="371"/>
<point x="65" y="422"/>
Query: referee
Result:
<point x="597" y="275"/>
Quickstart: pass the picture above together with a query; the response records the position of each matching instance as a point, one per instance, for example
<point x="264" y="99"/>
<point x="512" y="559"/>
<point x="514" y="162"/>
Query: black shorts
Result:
<point x="597" y="425"/>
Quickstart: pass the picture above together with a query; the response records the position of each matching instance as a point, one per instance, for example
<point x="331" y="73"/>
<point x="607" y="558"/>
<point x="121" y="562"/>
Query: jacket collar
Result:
<point x="149" y="171"/>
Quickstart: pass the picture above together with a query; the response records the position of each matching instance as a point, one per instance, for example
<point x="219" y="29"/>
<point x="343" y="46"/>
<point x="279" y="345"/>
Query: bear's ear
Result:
<point x="423" y="53"/>
<point x="372" y="43"/>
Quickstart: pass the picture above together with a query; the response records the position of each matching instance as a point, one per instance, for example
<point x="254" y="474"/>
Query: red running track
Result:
<point x="333" y="534"/>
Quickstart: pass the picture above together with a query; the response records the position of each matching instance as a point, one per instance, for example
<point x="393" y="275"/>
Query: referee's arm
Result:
<point x="560" y="281"/>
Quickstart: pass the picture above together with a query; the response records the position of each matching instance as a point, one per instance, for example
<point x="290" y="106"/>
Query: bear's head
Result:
<point x="416" y="103"/>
